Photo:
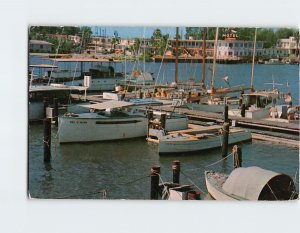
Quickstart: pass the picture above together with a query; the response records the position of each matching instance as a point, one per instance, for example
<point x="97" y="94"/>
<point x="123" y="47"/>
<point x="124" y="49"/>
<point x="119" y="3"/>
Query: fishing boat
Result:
<point x="102" y="77"/>
<point x="112" y="120"/>
<point x="195" y="138"/>
<point x="251" y="183"/>
<point x="264" y="104"/>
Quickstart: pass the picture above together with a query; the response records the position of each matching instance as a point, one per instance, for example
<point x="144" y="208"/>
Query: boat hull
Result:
<point x="80" y="129"/>
<point x="214" y="190"/>
<point x="217" y="108"/>
<point x="191" y="145"/>
<point x="73" y="129"/>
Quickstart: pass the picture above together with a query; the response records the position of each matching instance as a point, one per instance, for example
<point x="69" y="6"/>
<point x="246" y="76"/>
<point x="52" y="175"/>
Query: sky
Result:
<point x="134" y="32"/>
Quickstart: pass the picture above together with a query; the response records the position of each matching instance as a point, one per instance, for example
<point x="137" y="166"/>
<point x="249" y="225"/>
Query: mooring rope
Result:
<point x="192" y="182"/>
<point x="219" y="160"/>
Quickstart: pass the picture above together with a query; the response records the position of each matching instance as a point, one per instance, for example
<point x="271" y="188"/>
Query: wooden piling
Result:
<point x="155" y="171"/>
<point x="163" y="121"/>
<point x="176" y="171"/>
<point x="55" y="111"/>
<point x="46" y="103"/>
<point x="150" y="117"/>
<point x="226" y="113"/>
<point x="237" y="156"/>
<point x="243" y="110"/>
<point x="47" y="140"/>
<point x="225" y="130"/>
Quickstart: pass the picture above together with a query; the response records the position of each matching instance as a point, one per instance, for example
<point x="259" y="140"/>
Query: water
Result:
<point x="122" y="167"/>
<point x="239" y="74"/>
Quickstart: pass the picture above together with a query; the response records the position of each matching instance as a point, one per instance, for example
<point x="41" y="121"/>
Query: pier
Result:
<point x="271" y="129"/>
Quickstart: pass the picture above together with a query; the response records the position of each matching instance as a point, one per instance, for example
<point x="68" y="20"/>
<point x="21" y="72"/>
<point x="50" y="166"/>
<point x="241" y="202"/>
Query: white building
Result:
<point x="290" y="45"/>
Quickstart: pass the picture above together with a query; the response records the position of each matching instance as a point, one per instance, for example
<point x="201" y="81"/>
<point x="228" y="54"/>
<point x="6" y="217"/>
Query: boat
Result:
<point x="251" y="183"/>
<point x="216" y="98"/>
<point x="264" y="104"/>
<point x="102" y="77"/>
<point x="195" y="138"/>
<point x="274" y="61"/>
<point x="112" y="120"/>
<point x="37" y="92"/>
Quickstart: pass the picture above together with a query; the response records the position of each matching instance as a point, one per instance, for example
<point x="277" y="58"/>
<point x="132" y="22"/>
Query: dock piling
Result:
<point x="46" y="103"/>
<point x="55" y="106"/>
<point x="226" y="112"/>
<point x="163" y="121"/>
<point x="237" y="156"/>
<point x="243" y="110"/>
<point x="150" y="117"/>
<point x="225" y="131"/>
<point x="155" y="171"/>
<point x="47" y="140"/>
<point x="176" y="171"/>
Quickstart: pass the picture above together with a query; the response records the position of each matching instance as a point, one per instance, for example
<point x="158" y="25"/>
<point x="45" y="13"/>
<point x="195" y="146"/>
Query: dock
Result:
<point x="268" y="130"/>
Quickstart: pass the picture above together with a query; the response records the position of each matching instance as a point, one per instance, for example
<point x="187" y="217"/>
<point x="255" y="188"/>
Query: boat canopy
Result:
<point x="254" y="183"/>
<point x="108" y="105"/>
<point x="43" y="66"/>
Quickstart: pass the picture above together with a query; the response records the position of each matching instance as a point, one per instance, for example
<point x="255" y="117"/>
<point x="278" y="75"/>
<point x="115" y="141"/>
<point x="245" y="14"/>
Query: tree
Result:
<point x="283" y="33"/>
<point x="159" y="41"/>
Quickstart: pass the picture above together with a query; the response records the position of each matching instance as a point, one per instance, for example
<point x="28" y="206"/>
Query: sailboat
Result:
<point x="215" y="99"/>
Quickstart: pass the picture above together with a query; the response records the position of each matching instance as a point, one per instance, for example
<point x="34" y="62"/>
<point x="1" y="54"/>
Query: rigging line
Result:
<point x="192" y="182"/>
<point x="219" y="160"/>
<point x="162" y="60"/>
<point x="59" y="43"/>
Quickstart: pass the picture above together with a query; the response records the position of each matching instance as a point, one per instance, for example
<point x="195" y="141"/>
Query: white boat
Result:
<point x="102" y="77"/>
<point x="112" y="120"/>
<point x="38" y="92"/>
<point x="251" y="183"/>
<point x="197" y="138"/>
<point x="259" y="103"/>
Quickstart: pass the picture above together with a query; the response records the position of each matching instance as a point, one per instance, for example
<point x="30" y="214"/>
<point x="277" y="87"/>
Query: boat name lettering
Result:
<point x="78" y="122"/>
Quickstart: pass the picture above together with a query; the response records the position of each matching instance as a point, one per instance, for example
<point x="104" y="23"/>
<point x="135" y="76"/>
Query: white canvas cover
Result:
<point x="108" y="105"/>
<point x="248" y="182"/>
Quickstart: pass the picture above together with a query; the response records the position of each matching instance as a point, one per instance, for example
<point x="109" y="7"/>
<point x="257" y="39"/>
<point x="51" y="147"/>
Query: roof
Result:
<point x="108" y="105"/>
<point x="262" y="93"/>
<point x="250" y="182"/>
<point x="42" y="66"/>
<point x="40" y="42"/>
<point x="55" y="87"/>
<point x="84" y="60"/>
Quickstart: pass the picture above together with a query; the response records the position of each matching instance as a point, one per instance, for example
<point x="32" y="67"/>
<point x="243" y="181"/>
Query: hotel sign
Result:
<point x="229" y="34"/>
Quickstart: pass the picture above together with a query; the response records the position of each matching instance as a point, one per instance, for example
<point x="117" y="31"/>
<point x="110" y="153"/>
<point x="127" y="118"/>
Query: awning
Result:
<point x="42" y="66"/>
<point x="108" y="105"/>
<point x="254" y="183"/>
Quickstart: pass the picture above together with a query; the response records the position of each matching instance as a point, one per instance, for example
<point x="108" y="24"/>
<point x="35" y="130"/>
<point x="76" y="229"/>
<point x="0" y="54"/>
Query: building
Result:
<point x="75" y="39"/>
<point x="226" y="49"/>
<point x="39" y="46"/>
<point x="290" y="45"/>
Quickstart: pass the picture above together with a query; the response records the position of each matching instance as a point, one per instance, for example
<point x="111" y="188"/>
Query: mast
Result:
<point x="203" y="56"/>
<point x="253" y="56"/>
<point x="176" y="61"/>
<point x="214" y="62"/>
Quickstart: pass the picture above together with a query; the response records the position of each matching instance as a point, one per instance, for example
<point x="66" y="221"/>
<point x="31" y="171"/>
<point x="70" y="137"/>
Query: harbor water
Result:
<point x="122" y="168"/>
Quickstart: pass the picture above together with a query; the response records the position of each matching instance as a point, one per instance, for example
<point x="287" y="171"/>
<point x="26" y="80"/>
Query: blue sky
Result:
<point x="134" y="32"/>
